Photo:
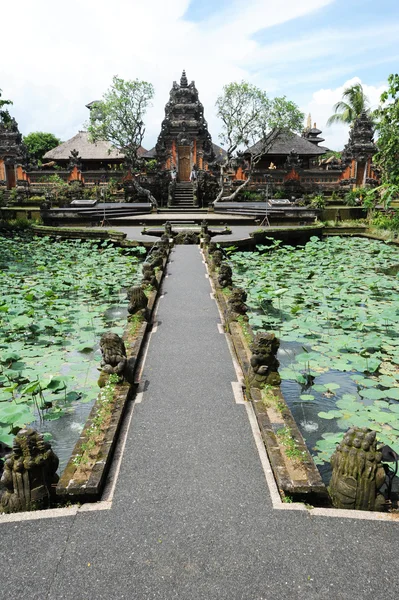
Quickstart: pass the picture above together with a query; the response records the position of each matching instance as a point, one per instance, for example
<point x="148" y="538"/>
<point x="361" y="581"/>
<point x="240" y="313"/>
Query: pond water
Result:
<point x="57" y="298"/>
<point x="335" y="305"/>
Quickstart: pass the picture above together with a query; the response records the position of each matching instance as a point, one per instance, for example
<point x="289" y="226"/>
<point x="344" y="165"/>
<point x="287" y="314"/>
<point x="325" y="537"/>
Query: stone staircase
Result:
<point x="183" y="199"/>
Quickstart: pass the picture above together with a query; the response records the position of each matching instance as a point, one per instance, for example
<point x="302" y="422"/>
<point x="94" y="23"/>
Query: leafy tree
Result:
<point x="387" y="126"/>
<point x="354" y="102"/>
<point x="250" y="118"/>
<point x="5" y="116"/>
<point x="39" y="142"/>
<point x="118" y="119"/>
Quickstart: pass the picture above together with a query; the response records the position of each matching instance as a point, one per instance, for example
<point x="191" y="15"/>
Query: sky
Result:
<point x="57" y="57"/>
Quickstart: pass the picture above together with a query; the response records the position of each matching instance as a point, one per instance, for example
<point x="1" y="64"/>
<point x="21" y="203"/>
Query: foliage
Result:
<point x="118" y="117"/>
<point x="39" y="142"/>
<point x="5" y="116"/>
<point x="331" y="153"/>
<point x="387" y="127"/>
<point x="388" y="221"/>
<point x="354" y="102"/>
<point x="318" y="201"/>
<point x="249" y="117"/>
<point x="279" y="194"/>
<point x="336" y="314"/>
<point x="355" y="197"/>
<point x="56" y="301"/>
<point x="151" y="166"/>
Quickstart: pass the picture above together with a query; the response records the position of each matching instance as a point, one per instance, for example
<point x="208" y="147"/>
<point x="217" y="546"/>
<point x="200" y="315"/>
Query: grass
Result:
<point x="95" y="433"/>
<point x="284" y="436"/>
<point x="245" y="328"/>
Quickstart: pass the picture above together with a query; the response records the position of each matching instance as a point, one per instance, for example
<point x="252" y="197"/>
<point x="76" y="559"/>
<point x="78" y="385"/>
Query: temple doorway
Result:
<point x="184" y="153"/>
<point x="10" y="177"/>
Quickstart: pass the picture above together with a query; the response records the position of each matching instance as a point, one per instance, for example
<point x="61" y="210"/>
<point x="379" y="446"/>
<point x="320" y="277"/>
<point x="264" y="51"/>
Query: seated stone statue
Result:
<point x="264" y="363"/>
<point x="113" y="352"/>
<point x="29" y="475"/>
<point x="149" y="277"/>
<point x="137" y="301"/>
<point x="357" y="472"/>
<point x="225" y="275"/>
<point x="236" y="303"/>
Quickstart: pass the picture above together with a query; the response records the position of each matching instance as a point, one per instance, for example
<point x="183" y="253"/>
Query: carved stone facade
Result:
<point x="357" y="472"/>
<point x="13" y="154"/>
<point x="358" y="154"/>
<point x="184" y="141"/>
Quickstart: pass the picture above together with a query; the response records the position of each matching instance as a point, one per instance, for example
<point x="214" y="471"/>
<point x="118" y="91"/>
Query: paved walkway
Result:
<point x="192" y="517"/>
<point x="238" y="232"/>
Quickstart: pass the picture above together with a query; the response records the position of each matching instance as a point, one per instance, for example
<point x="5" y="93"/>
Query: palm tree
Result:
<point x="354" y="102"/>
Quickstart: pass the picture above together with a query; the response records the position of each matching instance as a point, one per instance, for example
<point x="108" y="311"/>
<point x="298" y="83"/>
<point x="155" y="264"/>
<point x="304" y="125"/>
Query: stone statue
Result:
<point x="357" y="472"/>
<point x="212" y="248"/>
<point x="264" y="363"/>
<point x="217" y="258"/>
<point x="137" y="301"/>
<point x="155" y="259"/>
<point x="168" y="229"/>
<point x="114" y="354"/>
<point x="149" y="277"/>
<point x="236" y="303"/>
<point x="29" y="473"/>
<point x="225" y="275"/>
<point x="204" y="227"/>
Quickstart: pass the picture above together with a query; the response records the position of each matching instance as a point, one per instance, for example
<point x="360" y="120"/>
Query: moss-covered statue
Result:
<point x="168" y="229"/>
<point x="225" y="277"/>
<point x="217" y="258"/>
<point x="149" y="277"/>
<point x="137" y="301"/>
<point x="264" y="363"/>
<point x="114" y="359"/>
<point x="357" y="472"/>
<point x="29" y="475"/>
<point x="236" y="303"/>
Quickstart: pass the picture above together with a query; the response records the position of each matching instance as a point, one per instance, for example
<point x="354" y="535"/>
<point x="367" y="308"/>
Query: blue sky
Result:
<point x="307" y="50"/>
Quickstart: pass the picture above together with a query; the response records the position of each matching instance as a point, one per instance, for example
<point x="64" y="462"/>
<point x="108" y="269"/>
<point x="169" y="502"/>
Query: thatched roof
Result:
<point x="100" y="150"/>
<point x="287" y="142"/>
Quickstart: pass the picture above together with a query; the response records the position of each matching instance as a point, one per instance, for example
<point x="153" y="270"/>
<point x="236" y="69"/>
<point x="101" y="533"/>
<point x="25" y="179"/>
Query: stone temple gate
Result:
<point x="184" y="141"/>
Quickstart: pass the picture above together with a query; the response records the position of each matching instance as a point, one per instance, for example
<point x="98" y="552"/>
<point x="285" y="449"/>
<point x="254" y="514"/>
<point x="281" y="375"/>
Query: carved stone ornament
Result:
<point x="264" y="363"/>
<point x="29" y="475"/>
<point x="113" y="352"/>
<point x="357" y="472"/>
<point x="149" y="277"/>
<point x="236" y="303"/>
<point x="225" y="275"/>
<point x="137" y="300"/>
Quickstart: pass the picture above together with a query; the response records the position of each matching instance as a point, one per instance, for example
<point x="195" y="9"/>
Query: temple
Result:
<point x="182" y="170"/>
<point x="184" y="141"/>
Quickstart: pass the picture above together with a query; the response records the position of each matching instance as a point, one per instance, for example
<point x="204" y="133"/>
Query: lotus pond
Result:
<point x="57" y="298"/>
<point x="334" y="304"/>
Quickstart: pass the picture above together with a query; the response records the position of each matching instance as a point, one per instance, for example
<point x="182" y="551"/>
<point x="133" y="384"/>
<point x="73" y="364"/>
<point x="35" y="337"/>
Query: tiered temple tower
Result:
<point x="13" y="154"/>
<point x="184" y="140"/>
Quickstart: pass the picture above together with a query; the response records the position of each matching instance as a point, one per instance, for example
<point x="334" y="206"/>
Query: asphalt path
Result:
<point x="192" y="517"/>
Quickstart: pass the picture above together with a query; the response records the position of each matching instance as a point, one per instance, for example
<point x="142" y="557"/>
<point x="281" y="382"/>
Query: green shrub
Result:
<point x="318" y="201"/>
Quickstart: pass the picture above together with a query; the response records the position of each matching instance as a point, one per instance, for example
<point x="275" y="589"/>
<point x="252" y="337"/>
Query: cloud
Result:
<point x="321" y="108"/>
<point x="70" y="54"/>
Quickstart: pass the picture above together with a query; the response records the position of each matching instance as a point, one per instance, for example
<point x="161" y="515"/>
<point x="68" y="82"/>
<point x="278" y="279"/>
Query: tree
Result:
<point x="354" y="102"/>
<point x="387" y="126"/>
<point x="118" y="119"/>
<point x="5" y="117"/>
<point x="39" y="142"/>
<point x="250" y="118"/>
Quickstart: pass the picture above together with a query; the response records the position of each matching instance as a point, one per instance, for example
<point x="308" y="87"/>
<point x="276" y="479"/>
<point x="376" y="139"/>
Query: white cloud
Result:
<point x="321" y="108"/>
<point x="70" y="53"/>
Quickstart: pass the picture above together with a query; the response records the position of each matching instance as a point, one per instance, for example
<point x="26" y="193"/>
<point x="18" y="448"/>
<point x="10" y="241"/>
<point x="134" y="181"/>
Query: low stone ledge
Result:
<point x="76" y="483"/>
<point x="79" y="233"/>
<point x="295" y="476"/>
